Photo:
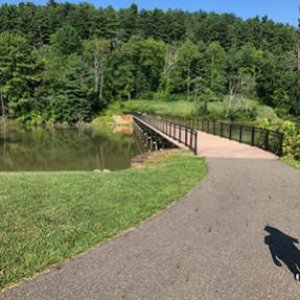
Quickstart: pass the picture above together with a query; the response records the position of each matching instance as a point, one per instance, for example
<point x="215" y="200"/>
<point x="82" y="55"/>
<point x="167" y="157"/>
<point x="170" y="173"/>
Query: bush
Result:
<point x="291" y="145"/>
<point x="32" y="119"/>
<point x="244" y="114"/>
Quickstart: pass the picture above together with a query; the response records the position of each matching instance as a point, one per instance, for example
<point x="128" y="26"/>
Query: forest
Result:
<point x="67" y="62"/>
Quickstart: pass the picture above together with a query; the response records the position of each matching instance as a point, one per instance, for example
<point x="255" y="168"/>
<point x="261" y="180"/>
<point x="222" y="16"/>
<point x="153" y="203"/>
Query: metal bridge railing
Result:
<point x="268" y="140"/>
<point x="175" y="129"/>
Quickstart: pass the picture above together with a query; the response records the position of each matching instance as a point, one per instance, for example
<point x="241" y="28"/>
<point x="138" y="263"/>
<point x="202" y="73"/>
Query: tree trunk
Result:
<point x="231" y="98"/>
<point x="2" y="103"/>
<point x="188" y="83"/>
<point x="233" y="88"/>
<point x="96" y="79"/>
<point x="101" y="80"/>
<point x="212" y="72"/>
<point x="298" y="56"/>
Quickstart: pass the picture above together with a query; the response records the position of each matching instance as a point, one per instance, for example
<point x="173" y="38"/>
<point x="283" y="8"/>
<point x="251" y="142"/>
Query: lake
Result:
<point x="66" y="150"/>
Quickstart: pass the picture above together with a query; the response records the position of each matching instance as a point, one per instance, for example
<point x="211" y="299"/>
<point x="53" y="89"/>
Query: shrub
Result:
<point x="291" y="144"/>
<point x="32" y="119"/>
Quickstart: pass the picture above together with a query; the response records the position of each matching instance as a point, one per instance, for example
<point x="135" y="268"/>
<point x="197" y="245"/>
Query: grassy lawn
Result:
<point x="291" y="162"/>
<point x="47" y="217"/>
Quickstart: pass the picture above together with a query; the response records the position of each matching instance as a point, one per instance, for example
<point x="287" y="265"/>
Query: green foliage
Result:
<point x="96" y="53"/>
<point x="47" y="217"/>
<point x="130" y="53"/>
<point x="75" y="101"/>
<point x="187" y="63"/>
<point x="66" y="40"/>
<point x="291" y="161"/>
<point x="214" y="68"/>
<point x="244" y="111"/>
<point x="178" y="108"/>
<point x="32" y="119"/>
<point x="19" y="67"/>
<point x="291" y="145"/>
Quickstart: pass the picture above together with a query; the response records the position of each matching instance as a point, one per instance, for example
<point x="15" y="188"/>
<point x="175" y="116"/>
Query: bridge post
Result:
<point x="174" y="131"/>
<point x="253" y="136"/>
<point x="241" y="134"/>
<point x="280" y="151"/>
<point x="266" y="140"/>
<point x="222" y="130"/>
<point x="185" y="142"/>
<point x="180" y="133"/>
<point x="196" y="143"/>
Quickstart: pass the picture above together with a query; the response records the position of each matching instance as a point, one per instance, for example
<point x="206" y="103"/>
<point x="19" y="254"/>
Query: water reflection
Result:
<point x="66" y="149"/>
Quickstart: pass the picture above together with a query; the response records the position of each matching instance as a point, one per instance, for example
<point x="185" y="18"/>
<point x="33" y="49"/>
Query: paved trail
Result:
<point x="210" y="246"/>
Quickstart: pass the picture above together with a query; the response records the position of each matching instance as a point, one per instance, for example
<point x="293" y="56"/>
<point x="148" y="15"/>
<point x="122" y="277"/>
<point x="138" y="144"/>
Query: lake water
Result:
<point x="66" y="150"/>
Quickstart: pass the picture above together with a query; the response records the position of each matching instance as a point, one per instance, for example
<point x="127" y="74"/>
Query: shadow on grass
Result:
<point x="283" y="250"/>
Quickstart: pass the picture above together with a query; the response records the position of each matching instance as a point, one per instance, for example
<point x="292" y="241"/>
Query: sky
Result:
<point x="285" y="11"/>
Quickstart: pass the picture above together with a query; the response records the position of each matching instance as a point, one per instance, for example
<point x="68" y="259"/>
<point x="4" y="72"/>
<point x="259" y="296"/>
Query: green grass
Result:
<point x="291" y="162"/>
<point x="182" y="108"/>
<point x="48" y="217"/>
<point x="175" y="108"/>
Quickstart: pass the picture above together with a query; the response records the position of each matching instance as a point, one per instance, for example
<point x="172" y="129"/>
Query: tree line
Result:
<point x="67" y="62"/>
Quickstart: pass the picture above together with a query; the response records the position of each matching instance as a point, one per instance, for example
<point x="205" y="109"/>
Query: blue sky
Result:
<point x="285" y="11"/>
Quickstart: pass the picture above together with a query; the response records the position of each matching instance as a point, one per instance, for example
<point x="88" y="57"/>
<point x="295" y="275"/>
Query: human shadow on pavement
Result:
<point x="283" y="250"/>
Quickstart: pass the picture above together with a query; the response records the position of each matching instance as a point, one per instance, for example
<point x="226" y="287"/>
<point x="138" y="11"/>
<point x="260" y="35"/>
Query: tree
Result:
<point x="171" y="61"/>
<point x="151" y="62"/>
<point x="129" y="53"/>
<point x="128" y="21"/>
<point x="286" y="88"/>
<point x="97" y="52"/>
<point x="19" y="67"/>
<point x="214" y="69"/>
<point x="66" y="40"/>
<point x="74" y="101"/>
<point x="126" y="79"/>
<point x="82" y="17"/>
<point x="188" y="54"/>
<point x="298" y="43"/>
<point x="51" y="2"/>
<point x="239" y="86"/>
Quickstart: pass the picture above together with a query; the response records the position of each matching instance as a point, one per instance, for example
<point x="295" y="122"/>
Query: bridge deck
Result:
<point x="214" y="146"/>
<point x="210" y="145"/>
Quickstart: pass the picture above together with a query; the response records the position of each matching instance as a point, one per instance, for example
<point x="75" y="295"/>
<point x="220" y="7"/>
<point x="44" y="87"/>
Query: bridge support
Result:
<point x="151" y="139"/>
<point x="164" y="131"/>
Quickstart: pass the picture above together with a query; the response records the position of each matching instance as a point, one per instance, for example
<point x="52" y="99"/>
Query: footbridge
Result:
<point x="175" y="133"/>
<point x="212" y="138"/>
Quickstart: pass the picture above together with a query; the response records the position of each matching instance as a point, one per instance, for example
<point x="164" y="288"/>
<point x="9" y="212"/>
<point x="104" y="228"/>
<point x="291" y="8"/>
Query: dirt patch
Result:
<point x="155" y="158"/>
<point x="126" y="130"/>
<point x="121" y="120"/>
<point x="138" y="161"/>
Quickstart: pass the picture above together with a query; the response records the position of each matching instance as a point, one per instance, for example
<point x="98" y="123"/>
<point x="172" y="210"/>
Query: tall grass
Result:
<point x="176" y="108"/>
<point x="244" y="110"/>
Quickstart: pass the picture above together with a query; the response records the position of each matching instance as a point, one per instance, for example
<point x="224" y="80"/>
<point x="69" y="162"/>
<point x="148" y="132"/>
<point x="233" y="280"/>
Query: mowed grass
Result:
<point x="47" y="217"/>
